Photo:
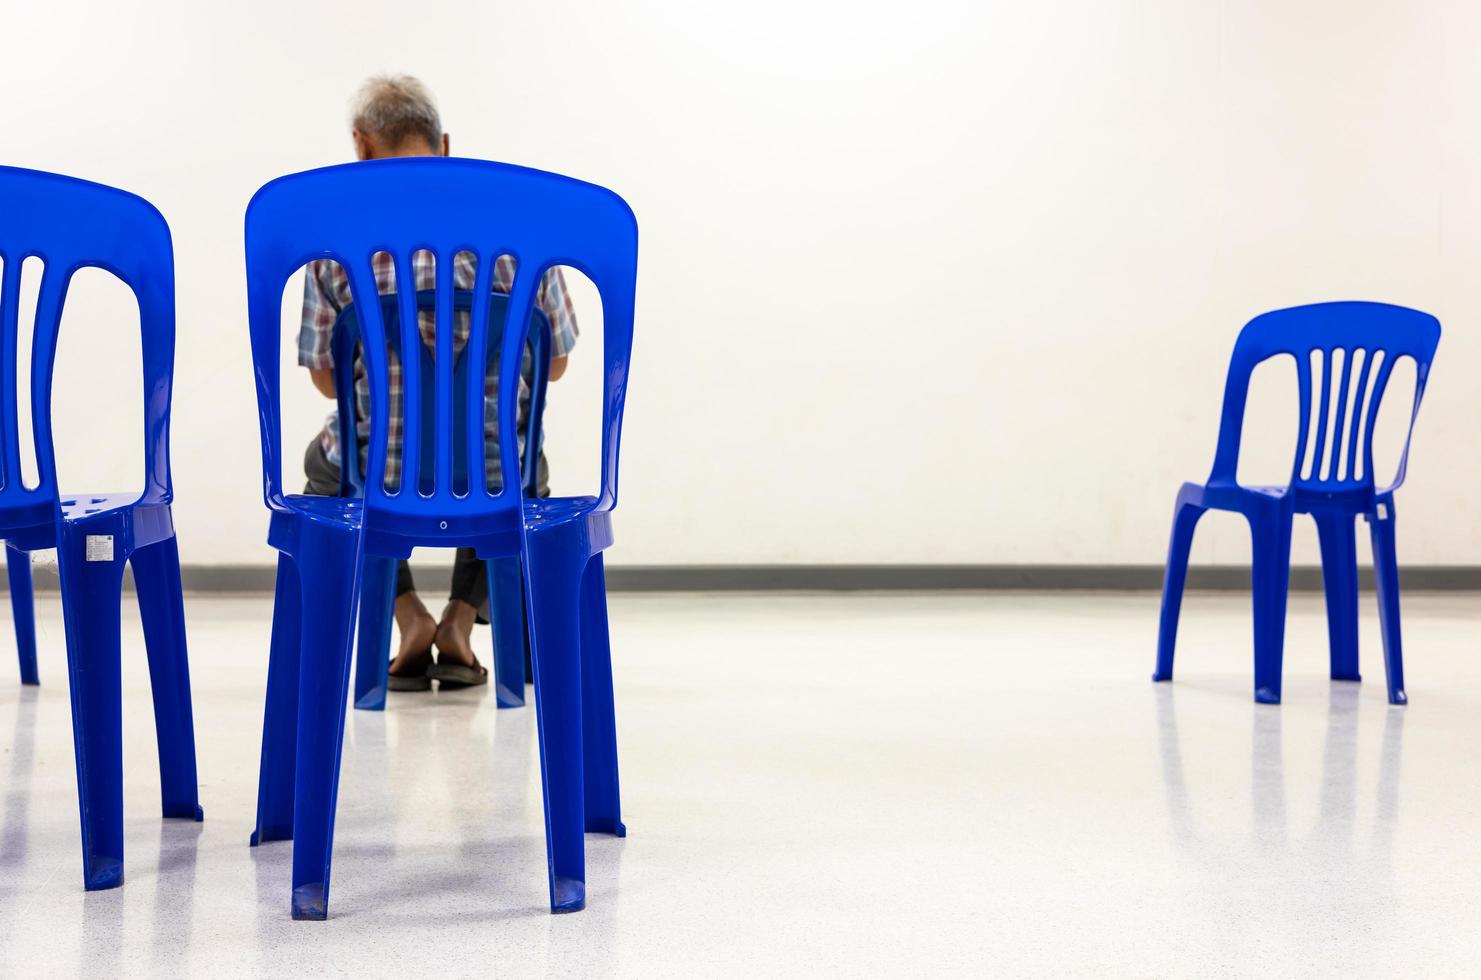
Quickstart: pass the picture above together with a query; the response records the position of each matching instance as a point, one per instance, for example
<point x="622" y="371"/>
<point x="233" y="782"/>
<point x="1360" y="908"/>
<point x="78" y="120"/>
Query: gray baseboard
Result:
<point x="936" y="578"/>
<point x="434" y="579"/>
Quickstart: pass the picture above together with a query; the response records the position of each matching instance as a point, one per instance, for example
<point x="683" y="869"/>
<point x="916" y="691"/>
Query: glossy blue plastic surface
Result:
<point x="506" y="603"/>
<point x="347" y="213"/>
<point x="71" y="224"/>
<point x="1331" y="479"/>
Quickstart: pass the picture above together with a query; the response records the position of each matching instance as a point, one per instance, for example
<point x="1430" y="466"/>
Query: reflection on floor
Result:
<point x="965" y="785"/>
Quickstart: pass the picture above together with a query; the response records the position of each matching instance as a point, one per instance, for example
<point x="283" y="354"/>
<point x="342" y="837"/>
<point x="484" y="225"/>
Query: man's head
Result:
<point x="394" y="116"/>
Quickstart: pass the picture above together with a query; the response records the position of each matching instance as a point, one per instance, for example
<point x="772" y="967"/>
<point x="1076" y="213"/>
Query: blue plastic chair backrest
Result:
<point x="446" y="206"/>
<point x="72" y="224"/>
<point x="345" y="337"/>
<point x="1345" y="396"/>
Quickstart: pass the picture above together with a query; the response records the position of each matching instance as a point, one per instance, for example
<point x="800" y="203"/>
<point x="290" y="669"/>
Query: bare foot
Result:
<point x="417" y="629"/>
<point x="454" y="634"/>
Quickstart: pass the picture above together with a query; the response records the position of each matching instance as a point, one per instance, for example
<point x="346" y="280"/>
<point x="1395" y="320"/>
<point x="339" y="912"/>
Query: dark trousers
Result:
<point x="470" y="575"/>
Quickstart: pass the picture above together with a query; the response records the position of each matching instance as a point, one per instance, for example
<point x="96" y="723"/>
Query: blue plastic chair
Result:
<point x="72" y="224"/>
<point x="347" y="213"/>
<point x="505" y="577"/>
<point x="1334" y="482"/>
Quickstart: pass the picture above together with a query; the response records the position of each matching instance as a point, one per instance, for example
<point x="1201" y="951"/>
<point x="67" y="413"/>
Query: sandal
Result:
<point x="411" y="681"/>
<point x="454" y="675"/>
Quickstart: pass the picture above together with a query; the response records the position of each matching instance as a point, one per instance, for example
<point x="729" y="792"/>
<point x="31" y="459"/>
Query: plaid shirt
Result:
<point x="326" y="292"/>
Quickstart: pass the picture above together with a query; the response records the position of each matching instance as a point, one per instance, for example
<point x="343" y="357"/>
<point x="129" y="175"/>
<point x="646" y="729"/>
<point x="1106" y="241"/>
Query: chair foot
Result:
<point x="1398" y="698"/>
<point x="569" y="895"/>
<point x="1160" y="678"/>
<point x="185" y="811"/>
<point x="615" y="828"/>
<point x="508" y="697"/>
<point x="103" y="873"/>
<point x="310" y="902"/>
<point x="1343" y="676"/>
<point x="372" y="700"/>
<point x="1264" y="695"/>
<point x="270" y="833"/>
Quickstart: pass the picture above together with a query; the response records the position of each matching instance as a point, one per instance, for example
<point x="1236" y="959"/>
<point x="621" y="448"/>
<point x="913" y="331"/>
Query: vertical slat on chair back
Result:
<point x="443" y="206"/>
<point x="1336" y="347"/>
<point x="71" y="224"/>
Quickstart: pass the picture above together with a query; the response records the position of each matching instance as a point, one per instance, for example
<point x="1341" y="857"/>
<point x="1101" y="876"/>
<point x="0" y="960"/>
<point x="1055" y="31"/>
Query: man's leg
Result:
<point x="415" y="625"/>
<point x="470" y="580"/>
<point x="455" y="631"/>
<point x="322" y="474"/>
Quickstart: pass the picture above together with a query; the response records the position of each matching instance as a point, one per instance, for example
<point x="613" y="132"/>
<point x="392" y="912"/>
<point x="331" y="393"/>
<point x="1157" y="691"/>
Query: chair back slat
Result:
<point x="1319" y="452"/>
<point x="411" y="377"/>
<point x="442" y="365"/>
<point x="10" y="303"/>
<point x="1352" y="468"/>
<point x="1370" y="418"/>
<point x="474" y="410"/>
<point x="517" y="313"/>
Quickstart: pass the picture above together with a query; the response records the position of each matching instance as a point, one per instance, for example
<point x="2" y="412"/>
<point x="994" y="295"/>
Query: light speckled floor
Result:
<point x="980" y="785"/>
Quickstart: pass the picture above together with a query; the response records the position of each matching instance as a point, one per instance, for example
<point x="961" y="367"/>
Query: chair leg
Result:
<point x="507" y="616"/>
<point x="598" y="724"/>
<point x="373" y="656"/>
<point x="1386" y="575"/>
<point x="554" y="567"/>
<point x="1338" y="537"/>
<point x="329" y="564"/>
<point x="162" y="611"/>
<point x="91" y="596"/>
<point x="1184" y="521"/>
<point x="1270" y="576"/>
<point x="280" y="716"/>
<point x="23" y="607"/>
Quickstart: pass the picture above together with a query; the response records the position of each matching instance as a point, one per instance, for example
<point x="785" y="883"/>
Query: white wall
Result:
<point x="929" y="282"/>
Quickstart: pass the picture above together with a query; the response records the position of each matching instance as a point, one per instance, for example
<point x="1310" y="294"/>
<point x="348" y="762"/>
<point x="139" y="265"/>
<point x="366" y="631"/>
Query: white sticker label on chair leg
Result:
<point x="100" y="547"/>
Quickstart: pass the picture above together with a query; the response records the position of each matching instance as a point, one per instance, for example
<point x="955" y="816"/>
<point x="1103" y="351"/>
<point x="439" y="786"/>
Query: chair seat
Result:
<point x="144" y="523"/>
<point x="1303" y="500"/>
<point x="547" y="511"/>
<point x="395" y="536"/>
<point x="30" y="528"/>
<point x="349" y="511"/>
<point x="86" y="504"/>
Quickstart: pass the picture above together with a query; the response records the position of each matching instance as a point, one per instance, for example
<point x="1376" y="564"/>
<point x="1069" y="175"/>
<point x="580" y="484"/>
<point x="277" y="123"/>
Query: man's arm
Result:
<point x="316" y="330"/>
<point x="323" y="379"/>
<point x="557" y="368"/>
<point x="556" y="303"/>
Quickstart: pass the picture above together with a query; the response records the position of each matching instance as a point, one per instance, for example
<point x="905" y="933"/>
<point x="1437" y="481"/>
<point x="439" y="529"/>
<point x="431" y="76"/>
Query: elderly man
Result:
<point x="395" y="117"/>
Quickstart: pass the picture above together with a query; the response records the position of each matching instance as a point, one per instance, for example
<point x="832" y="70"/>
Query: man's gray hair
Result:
<point x="394" y="108"/>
